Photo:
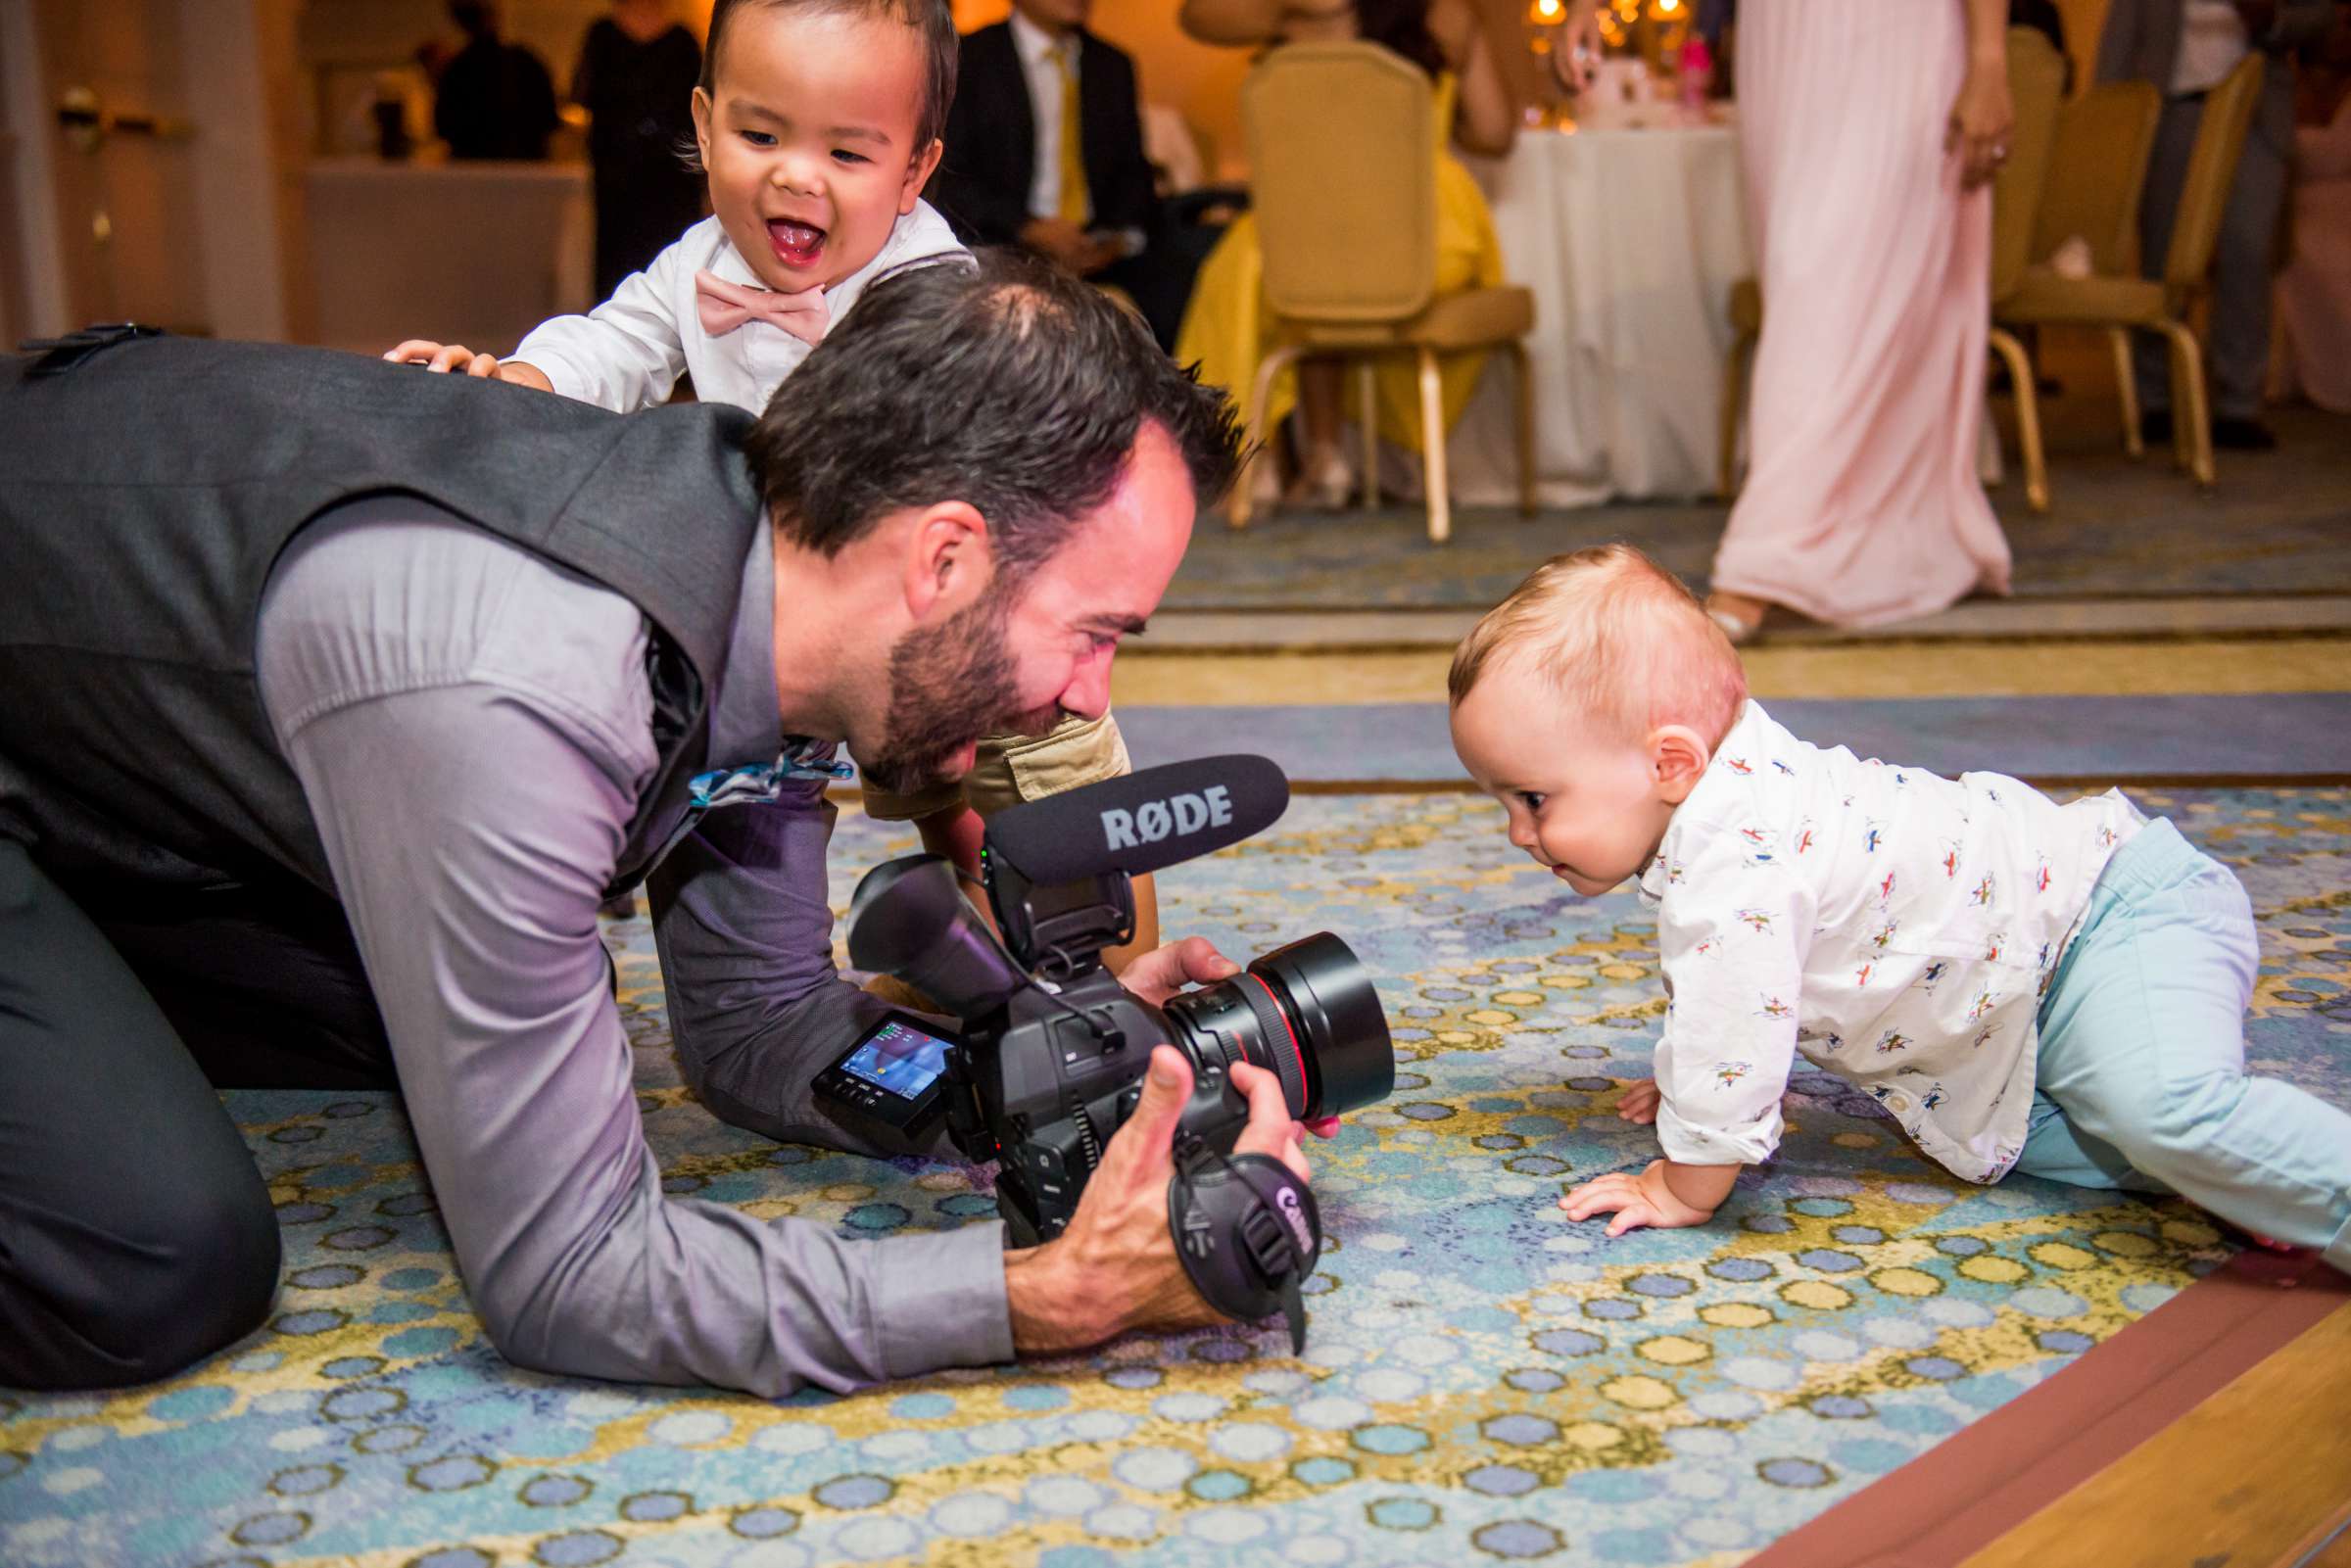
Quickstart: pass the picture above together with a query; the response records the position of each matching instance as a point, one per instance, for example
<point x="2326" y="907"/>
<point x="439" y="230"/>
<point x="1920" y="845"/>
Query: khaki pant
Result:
<point x="1012" y="768"/>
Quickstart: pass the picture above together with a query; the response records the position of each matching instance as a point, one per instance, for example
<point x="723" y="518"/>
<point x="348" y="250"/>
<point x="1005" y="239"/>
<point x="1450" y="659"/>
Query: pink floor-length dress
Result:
<point x="2313" y="291"/>
<point x="1863" y="503"/>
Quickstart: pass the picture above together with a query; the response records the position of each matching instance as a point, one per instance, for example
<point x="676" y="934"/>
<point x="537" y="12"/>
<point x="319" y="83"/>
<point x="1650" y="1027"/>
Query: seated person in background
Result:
<point x="1227" y="329"/>
<point x="1046" y="148"/>
<point x="493" y="99"/>
<point x="2058" y="990"/>
<point x="2313" y="291"/>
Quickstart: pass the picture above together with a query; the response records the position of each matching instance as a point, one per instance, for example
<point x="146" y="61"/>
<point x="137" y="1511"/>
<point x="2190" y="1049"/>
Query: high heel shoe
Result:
<point x="1326" y="486"/>
<point x="1738" y="628"/>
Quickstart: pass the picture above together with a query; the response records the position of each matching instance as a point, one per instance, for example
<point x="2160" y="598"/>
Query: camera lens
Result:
<point x="1308" y="1014"/>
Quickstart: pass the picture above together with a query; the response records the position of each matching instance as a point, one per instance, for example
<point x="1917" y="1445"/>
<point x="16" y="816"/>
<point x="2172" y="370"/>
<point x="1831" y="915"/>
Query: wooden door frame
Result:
<point x="247" y="93"/>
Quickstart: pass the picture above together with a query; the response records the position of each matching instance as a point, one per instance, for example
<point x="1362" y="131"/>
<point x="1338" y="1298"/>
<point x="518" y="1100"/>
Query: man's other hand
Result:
<point x="1115" y="1269"/>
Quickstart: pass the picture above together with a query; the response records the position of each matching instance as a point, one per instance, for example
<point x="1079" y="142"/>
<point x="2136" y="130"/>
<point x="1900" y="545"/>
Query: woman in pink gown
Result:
<point x="1869" y="132"/>
<point x="2314" y="290"/>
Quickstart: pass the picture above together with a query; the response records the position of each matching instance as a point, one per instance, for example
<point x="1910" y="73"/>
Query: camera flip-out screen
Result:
<point x="893" y="1074"/>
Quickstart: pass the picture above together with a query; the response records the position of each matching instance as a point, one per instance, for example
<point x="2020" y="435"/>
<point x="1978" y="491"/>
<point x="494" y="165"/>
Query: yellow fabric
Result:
<point x="1012" y="768"/>
<point x="1072" y="156"/>
<point x="1227" y="329"/>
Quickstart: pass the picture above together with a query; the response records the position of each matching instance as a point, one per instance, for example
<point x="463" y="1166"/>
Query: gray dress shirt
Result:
<point x="471" y="725"/>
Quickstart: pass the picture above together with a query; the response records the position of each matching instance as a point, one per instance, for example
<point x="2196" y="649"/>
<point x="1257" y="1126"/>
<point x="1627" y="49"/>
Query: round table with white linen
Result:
<point x="1631" y="241"/>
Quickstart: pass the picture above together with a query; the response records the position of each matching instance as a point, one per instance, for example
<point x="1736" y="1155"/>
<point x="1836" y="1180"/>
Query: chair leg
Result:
<point x="1734" y="406"/>
<point x="1524" y="374"/>
<point x="1432" y="446"/>
<point x="1366" y="387"/>
<point x="2188" y="403"/>
<point x="1244" y="486"/>
<point x="2126" y="383"/>
<point x="2027" y="416"/>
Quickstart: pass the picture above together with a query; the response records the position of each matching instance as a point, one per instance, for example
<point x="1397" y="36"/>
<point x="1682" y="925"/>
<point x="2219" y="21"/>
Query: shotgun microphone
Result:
<point x="1141" y="823"/>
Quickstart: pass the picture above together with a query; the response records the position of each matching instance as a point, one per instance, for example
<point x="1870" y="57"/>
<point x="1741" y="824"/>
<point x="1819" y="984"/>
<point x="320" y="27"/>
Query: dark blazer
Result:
<point x="2142" y="43"/>
<point x="983" y="180"/>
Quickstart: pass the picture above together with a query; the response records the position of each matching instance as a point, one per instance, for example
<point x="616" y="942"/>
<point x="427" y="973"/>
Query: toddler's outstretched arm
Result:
<point x="1666" y="1195"/>
<point x="446" y="358"/>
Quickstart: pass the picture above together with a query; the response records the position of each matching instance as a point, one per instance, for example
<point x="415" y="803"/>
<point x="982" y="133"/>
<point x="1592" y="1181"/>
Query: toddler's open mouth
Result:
<point x="795" y="244"/>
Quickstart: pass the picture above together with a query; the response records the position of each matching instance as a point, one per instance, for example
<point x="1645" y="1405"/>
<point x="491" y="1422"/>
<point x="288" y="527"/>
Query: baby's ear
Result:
<point x="918" y="175"/>
<point x="1678" y="757"/>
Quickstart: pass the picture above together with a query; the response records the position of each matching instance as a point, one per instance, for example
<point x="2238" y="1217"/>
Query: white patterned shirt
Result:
<point x="626" y="353"/>
<point x="1893" y="927"/>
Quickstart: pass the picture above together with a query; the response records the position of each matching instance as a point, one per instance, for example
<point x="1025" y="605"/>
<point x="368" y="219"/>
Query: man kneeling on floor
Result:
<point x="335" y="697"/>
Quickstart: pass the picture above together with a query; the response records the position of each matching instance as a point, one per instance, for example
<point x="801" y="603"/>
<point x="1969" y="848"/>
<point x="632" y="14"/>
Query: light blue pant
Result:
<point x="2142" y="1079"/>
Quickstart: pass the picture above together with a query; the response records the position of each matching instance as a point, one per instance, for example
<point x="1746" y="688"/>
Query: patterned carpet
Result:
<point x="2274" y="524"/>
<point x="1484" y="1380"/>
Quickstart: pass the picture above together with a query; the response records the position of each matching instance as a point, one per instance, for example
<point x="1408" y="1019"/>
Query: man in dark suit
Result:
<point x="1022" y="169"/>
<point x="2185" y="47"/>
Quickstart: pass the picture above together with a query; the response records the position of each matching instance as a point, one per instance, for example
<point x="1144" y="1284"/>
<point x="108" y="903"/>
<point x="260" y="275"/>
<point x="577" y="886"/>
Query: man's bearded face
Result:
<point x="948" y="689"/>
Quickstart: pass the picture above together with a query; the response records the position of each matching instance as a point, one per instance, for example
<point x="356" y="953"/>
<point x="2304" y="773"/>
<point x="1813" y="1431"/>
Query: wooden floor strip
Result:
<point x="1962" y="1495"/>
<point x="2256" y="1475"/>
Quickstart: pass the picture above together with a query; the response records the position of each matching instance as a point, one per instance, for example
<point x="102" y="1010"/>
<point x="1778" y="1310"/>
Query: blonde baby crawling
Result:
<point x="2024" y="986"/>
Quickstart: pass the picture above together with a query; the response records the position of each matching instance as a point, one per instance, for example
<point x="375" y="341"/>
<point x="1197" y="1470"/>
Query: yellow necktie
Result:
<point x="1072" y="160"/>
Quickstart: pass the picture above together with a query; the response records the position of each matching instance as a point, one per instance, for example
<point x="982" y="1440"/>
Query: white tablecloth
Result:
<point x="1630" y="240"/>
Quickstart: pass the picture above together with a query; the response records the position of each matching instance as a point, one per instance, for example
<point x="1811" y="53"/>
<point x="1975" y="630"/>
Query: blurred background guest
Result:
<point x="1869" y="133"/>
<point x="1046" y="148"/>
<point x="493" y="99"/>
<point x="1225" y="330"/>
<point x="636" y="77"/>
<point x="2313" y="292"/>
<point x="2185" y="47"/>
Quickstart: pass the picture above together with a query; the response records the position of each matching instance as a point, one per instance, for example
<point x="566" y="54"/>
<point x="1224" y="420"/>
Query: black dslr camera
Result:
<point x="1053" y="1049"/>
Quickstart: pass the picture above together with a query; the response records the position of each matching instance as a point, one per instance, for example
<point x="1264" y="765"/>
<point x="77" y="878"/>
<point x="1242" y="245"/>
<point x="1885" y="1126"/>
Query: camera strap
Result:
<point x="1247" y="1232"/>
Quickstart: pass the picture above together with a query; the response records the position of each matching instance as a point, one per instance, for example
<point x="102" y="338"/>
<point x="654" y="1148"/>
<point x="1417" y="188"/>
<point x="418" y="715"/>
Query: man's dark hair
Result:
<point x="934" y="19"/>
<point x="995" y="380"/>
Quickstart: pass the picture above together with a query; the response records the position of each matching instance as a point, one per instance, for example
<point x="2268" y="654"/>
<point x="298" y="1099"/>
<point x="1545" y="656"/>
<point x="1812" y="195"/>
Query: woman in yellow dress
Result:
<point x="1227" y="328"/>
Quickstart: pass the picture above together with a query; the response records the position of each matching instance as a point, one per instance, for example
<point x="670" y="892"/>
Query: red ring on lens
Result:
<point x="1281" y="1014"/>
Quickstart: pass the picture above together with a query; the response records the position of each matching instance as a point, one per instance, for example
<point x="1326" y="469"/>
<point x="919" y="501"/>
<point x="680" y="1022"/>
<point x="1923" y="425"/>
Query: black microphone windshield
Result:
<point x="1142" y="822"/>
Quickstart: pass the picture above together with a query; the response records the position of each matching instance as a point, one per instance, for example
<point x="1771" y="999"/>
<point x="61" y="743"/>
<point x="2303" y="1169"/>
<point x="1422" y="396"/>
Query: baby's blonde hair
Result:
<point x="1619" y="636"/>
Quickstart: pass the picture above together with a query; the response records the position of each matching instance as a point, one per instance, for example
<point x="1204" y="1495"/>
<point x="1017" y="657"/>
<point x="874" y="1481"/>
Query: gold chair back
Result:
<point x="2036" y="86"/>
<point x="2211" y="170"/>
<point x="1342" y="173"/>
<point x="2097" y="169"/>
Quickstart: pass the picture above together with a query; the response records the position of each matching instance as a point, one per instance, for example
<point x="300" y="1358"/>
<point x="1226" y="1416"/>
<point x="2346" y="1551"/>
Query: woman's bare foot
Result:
<point x="1740" y="615"/>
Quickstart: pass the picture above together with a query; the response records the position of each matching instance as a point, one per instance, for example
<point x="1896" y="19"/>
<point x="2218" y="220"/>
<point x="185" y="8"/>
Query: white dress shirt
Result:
<point x="2212" y="40"/>
<point x="1893" y="927"/>
<point x="1040" y="64"/>
<point x="626" y="353"/>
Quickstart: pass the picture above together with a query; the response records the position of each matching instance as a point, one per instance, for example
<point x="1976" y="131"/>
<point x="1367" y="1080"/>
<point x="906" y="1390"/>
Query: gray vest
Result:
<point x="145" y="495"/>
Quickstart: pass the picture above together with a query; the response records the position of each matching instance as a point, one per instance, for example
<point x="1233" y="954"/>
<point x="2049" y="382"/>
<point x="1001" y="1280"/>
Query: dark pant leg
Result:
<point x="2158" y="209"/>
<point x="2237" y="352"/>
<point x="263" y="985"/>
<point x="136" y="1235"/>
<point x="1160" y="280"/>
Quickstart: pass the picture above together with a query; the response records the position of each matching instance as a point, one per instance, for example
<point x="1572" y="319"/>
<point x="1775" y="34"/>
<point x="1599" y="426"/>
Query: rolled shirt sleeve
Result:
<point x="471" y="820"/>
<point x="1731" y="937"/>
<point x="625" y="355"/>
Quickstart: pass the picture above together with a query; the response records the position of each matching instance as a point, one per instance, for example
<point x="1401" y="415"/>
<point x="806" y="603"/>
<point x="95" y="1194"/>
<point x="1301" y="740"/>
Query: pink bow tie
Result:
<point x="723" y="306"/>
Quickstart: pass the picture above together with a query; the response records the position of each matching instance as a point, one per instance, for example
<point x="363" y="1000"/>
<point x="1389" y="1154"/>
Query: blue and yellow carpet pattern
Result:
<point x="1484" y="1380"/>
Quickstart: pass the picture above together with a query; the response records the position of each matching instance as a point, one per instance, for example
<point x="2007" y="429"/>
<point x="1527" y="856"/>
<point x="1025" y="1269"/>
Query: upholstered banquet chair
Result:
<point x="1343" y="176"/>
<point x="2122" y="301"/>
<point x="2097" y="170"/>
<point x="2037" y="88"/>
